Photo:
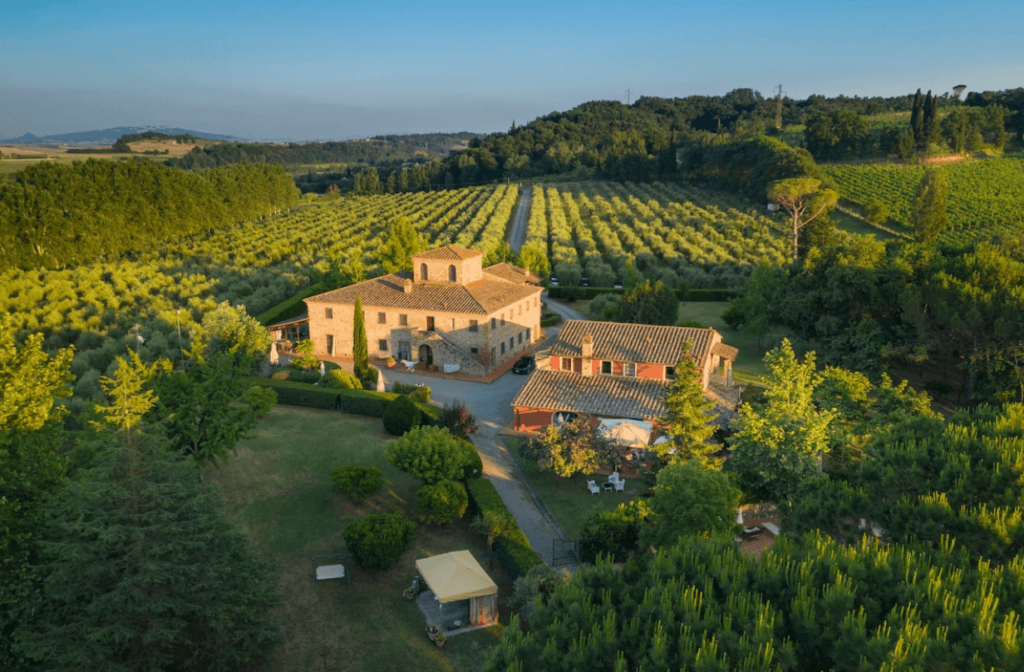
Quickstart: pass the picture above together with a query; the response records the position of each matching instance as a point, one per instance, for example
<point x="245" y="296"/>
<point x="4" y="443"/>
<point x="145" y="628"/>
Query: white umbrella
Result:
<point x="630" y="433"/>
<point x="275" y="359"/>
<point x="323" y="370"/>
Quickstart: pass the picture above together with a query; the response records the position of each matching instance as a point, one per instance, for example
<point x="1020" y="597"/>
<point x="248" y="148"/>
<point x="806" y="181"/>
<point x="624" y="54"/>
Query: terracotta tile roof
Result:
<point x="648" y="343"/>
<point x="724" y="351"/>
<point x="388" y="291"/>
<point x="512" y="273"/>
<point x="447" y="252"/>
<point x="605" y="396"/>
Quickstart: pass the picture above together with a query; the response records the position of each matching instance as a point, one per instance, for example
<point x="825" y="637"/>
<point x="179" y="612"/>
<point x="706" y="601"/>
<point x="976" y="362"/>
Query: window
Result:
<point x="423" y="271"/>
<point x="453" y="323"/>
<point x="528" y="336"/>
<point x="473" y="326"/>
<point x="629" y="369"/>
<point x="474" y="351"/>
<point x="430" y="323"/>
<point x="520" y="338"/>
<point x="403" y="320"/>
<point x="451" y="273"/>
<point x="329" y="313"/>
<point x="494" y="323"/>
<point x="606" y="367"/>
<point x="511" y="343"/>
<point x="535" y="302"/>
<point x="503" y="347"/>
<point x="503" y="319"/>
<point x="382" y="318"/>
<point x="520" y="310"/>
<point x="493" y="355"/>
<point x="330" y="343"/>
<point x="383" y="345"/>
<point x="670" y="373"/>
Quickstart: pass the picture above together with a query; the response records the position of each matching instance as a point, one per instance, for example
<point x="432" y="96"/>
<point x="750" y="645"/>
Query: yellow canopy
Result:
<point x="455" y="576"/>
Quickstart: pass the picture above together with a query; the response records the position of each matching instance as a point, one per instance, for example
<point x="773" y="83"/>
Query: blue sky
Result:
<point x="304" y="70"/>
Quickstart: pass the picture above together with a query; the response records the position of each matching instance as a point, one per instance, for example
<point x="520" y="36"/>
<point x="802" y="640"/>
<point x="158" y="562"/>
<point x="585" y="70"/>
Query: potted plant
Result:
<point x="391" y="362"/>
<point x="434" y="631"/>
<point x="440" y="640"/>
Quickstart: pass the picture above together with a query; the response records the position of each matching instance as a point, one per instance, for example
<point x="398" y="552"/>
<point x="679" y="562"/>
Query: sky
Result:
<point x="304" y="70"/>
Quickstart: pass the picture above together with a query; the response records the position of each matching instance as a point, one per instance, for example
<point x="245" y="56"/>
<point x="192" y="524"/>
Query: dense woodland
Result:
<point x="123" y="367"/>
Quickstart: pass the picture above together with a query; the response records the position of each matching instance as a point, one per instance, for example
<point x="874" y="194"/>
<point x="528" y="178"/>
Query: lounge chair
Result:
<point x="592" y="486"/>
<point x="620" y="485"/>
<point x="614" y="477"/>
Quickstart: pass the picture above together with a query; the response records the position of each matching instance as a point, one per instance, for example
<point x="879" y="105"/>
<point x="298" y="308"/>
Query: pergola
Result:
<point x="457" y="576"/>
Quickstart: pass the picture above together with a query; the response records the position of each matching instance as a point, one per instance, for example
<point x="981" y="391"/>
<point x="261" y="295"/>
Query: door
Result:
<point x="426" y="355"/>
<point x="330" y="344"/>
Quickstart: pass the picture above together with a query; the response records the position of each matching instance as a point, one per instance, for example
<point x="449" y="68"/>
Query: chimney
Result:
<point x="587" y="350"/>
<point x="407" y="286"/>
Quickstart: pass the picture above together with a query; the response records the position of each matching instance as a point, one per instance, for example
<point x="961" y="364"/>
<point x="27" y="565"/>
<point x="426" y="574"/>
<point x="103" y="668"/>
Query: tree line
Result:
<point x="58" y="215"/>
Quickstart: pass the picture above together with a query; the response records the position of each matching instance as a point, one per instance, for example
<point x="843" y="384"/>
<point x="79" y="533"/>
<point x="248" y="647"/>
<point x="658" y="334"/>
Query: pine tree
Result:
<point x="689" y="416"/>
<point x="928" y="216"/>
<point x="360" y="354"/>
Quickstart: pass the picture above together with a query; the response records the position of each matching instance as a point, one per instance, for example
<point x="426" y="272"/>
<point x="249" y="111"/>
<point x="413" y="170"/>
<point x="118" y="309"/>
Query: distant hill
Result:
<point x="109" y="136"/>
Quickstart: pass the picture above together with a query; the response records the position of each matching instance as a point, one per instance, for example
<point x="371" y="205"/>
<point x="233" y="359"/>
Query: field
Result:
<point x="278" y="490"/>
<point x="15" y="158"/>
<point x="257" y="263"/>
<point x="670" y="232"/>
<point x="986" y="197"/>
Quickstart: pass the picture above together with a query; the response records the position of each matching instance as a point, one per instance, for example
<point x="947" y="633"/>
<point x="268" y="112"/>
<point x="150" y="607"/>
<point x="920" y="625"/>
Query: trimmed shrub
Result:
<point x="360" y="483"/>
<point x="262" y="399"/>
<point x="299" y="394"/>
<point x="457" y="419"/>
<point x="430" y="453"/>
<point x="378" y="540"/>
<point x="342" y="379"/>
<point x="420" y="393"/>
<point x="375" y="404"/>
<point x="442" y="502"/>
<point x="511" y="547"/>
<point x="401" y="416"/>
<point x="474" y="465"/>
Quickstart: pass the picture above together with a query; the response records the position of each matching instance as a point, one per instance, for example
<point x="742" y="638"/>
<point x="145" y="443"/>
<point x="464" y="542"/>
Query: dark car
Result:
<point x="524" y="365"/>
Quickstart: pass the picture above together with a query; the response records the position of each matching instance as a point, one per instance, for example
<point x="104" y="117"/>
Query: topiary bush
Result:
<point x="401" y="416"/>
<point x="377" y="541"/>
<point x="343" y="379"/>
<point x="359" y="483"/>
<point x="430" y="453"/>
<point x="442" y="502"/>
<point x="420" y="393"/>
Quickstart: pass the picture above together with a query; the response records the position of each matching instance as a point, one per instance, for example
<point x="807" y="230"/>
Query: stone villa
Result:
<point x="450" y="312"/>
<point x="614" y="371"/>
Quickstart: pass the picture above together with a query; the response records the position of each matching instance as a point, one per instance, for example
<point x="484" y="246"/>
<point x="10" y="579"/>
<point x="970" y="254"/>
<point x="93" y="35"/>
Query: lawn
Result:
<point x="278" y="490"/>
<point x="567" y="499"/>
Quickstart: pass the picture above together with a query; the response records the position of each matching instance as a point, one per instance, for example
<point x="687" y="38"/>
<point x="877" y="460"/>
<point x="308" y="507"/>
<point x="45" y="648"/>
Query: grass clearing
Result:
<point x="278" y="490"/>
<point x="567" y="499"/>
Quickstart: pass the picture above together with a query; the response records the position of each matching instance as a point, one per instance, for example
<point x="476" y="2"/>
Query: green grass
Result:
<point x="852" y="224"/>
<point x="567" y="499"/>
<point x="278" y="490"/>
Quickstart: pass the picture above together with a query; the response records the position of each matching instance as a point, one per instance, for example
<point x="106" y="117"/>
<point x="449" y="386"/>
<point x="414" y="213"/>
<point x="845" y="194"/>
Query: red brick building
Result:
<point x="613" y="370"/>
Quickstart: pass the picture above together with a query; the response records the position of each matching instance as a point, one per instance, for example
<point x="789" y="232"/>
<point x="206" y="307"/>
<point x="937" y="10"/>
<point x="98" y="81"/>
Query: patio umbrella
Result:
<point x="629" y="433"/>
<point x="274" y="357"/>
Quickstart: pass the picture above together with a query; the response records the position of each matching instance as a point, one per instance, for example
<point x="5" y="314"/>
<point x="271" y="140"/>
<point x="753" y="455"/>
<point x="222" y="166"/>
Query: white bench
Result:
<point x="324" y="572"/>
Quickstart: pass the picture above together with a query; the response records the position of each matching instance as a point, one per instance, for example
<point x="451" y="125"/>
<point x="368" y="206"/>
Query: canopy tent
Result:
<point x="629" y="433"/>
<point x="458" y="576"/>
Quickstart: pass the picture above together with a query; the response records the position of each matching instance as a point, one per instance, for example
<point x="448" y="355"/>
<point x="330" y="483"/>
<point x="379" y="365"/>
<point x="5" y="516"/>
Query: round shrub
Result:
<point x="358" y="482"/>
<point x="401" y="416"/>
<point x="429" y="452"/>
<point x="378" y="540"/>
<point x="343" y="379"/>
<point x="442" y="502"/>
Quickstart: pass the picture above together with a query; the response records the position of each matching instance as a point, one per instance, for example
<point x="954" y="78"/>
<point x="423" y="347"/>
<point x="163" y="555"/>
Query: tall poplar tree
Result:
<point x="360" y="353"/>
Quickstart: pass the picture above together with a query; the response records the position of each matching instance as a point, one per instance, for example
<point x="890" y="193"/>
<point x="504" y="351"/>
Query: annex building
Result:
<point x="611" y="370"/>
<point x="449" y="312"/>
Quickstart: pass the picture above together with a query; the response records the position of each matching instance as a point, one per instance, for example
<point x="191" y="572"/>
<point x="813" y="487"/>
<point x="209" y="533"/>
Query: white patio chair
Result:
<point x="592" y="486"/>
<point x="614" y="478"/>
<point x="620" y="485"/>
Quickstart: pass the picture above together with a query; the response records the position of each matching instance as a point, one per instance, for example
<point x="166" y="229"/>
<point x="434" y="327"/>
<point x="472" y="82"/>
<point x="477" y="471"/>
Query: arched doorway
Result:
<point x="426" y="355"/>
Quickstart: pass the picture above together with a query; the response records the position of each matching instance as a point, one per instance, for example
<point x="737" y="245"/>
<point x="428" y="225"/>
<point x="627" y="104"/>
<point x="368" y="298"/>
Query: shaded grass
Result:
<point x="852" y="224"/>
<point x="278" y="489"/>
<point x="567" y="499"/>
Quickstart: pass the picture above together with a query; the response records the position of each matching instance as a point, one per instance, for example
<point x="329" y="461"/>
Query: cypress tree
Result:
<point x="360" y="355"/>
<point x="917" y="119"/>
<point x="928" y="216"/>
<point x="931" y="118"/>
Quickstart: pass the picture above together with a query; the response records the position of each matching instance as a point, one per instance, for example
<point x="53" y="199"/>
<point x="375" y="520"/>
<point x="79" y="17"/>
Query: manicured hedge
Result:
<point x="512" y="549"/>
<point x="290" y="307"/>
<point x="693" y="295"/>
<point x="300" y="394"/>
<point x="372" y="403"/>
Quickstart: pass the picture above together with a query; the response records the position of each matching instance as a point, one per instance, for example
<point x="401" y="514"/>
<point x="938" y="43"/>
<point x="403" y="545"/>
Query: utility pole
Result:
<point x="778" y="109"/>
<point x="628" y="97"/>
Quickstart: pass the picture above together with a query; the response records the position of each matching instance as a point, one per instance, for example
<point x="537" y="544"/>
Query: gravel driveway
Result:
<point x="492" y="406"/>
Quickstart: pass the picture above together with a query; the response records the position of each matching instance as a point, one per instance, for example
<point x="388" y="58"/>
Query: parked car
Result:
<point x="524" y="365"/>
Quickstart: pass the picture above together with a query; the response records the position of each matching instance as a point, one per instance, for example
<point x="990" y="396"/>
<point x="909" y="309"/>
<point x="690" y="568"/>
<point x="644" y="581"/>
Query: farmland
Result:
<point x="675" y="233"/>
<point x="986" y="197"/>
